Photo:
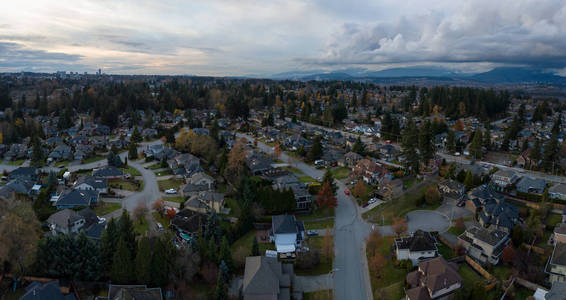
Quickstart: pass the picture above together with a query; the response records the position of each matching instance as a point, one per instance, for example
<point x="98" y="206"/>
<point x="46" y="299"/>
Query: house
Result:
<point x="418" y="247"/>
<point x="529" y="185"/>
<point x="524" y="160"/>
<point x="286" y="232"/>
<point x="61" y="152"/>
<point x="76" y="198"/>
<point x="258" y="163"/>
<point x="133" y="292"/>
<point x="22" y="188"/>
<point x="556" y="292"/>
<point x="187" y="223"/>
<point x="202" y="178"/>
<point x="484" y="245"/>
<point x="557" y="191"/>
<point x="351" y="159"/>
<point x="47" y="291"/>
<point x="159" y="152"/>
<point x="24" y="173"/>
<point x="388" y="152"/>
<point x="556" y="265"/>
<point x="504" y="179"/>
<point x="108" y="172"/>
<point x="206" y="201"/>
<point x="452" y="190"/>
<point x="499" y="215"/>
<point x="91" y="183"/>
<point x="300" y="191"/>
<point x="148" y="133"/>
<point x="368" y="170"/>
<point x="190" y="189"/>
<point x="186" y="160"/>
<point x="267" y="278"/>
<point x="65" y="221"/>
<point x="434" y="279"/>
<point x="481" y="195"/>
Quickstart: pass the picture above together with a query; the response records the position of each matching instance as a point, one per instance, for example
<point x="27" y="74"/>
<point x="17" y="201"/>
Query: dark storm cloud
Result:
<point x="11" y="53"/>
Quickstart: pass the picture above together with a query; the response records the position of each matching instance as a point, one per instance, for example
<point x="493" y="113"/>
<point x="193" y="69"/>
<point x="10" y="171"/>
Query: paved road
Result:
<point x="538" y="175"/>
<point x="351" y="277"/>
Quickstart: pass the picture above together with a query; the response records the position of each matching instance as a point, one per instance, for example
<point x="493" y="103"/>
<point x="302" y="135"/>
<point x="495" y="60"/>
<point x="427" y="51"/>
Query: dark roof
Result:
<point x="95" y="182"/>
<point x="190" y="188"/>
<point x="45" y="291"/>
<point x="438" y="274"/>
<point x="188" y="220"/>
<point x="107" y="171"/>
<point x="500" y="213"/>
<point x="491" y="237"/>
<point x="77" y="198"/>
<point x="64" y="217"/>
<point x="95" y="231"/>
<point x="265" y="276"/>
<point x="284" y="224"/>
<point x="24" y="172"/>
<point x="133" y="292"/>
<point x="418" y="293"/>
<point x="420" y="241"/>
<point x="559" y="254"/>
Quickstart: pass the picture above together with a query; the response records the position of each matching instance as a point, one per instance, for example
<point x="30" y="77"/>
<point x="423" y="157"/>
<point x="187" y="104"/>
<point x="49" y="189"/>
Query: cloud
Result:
<point x="506" y="32"/>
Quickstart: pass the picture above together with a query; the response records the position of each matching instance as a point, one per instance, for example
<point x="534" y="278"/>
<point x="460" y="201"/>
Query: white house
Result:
<point x="91" y="183"/>
<point x="287" y="233"/>
<point x="65" y="221"/>
<point x="419" y="247"/>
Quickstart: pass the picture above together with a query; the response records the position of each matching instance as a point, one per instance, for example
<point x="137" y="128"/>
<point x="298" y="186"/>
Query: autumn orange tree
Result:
<point x="236" y="167"/>
<point x="373" y="241"/>
<point x="376" y="263"/>
<point x="360" y="190"/>
<point x="277" y="150"/>
<point x="158" y="206"/>
<point x="508" y="254"/>
<point x="399" y="226"/>
<point x="140" y="211"/>
<point x="326" y="197"/>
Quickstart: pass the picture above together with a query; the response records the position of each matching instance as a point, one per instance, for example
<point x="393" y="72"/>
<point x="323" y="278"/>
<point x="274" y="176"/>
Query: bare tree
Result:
<point x="159" y="206"/>
<point x="140" y="211"/>
<point x="399" y="226"/>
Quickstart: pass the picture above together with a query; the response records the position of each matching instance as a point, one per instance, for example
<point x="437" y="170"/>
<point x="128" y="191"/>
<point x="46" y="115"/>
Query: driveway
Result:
<point x="313" y="283"/>
<point x="427" y="220"/>
<point x="454" y="212"/>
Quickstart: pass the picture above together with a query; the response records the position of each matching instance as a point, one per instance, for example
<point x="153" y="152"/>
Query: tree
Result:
<point x="220" y="291"/>
<point x="359" y="147"/>
<point x="133" y="151"/>
<point x="327" y="244"/>
<point x="432" y="195"/>
<point x="159" y="206"/>
<point x="550" y="154"/>
<point x="122" y="264"/>
<point x="19" y="236"/>
<point x="326" y="197"/>
<point x="315" y="151"/>
<point x="277" y="150"/>
<point x="517" y="235"/>
<point x="399" y="226"/>
<point x="37" y="153"/>
<point x="460" y="225"/>
<point x="360" y="190"/>
<point x="159" y="265"/>
<point x="426" y="146"/>
<point x="476" y="145"/>
<point x="469" y="181"/>
<point x="142" y="262"/>
<point x="136" y="136"/>
<point x="108" y="242"/>
<point x="376" y="263"/>
<point x="140" y="212"/>
<point x="508" y="254"/>
<point x="226" y="253"/>
<point x="126" y="232"/>
<point x="255" y="247"/>
<point x="328" y="177"/>
<point x="236" y="167"/>
<point x="409" y="145"/>
<point x="373" y="242"/>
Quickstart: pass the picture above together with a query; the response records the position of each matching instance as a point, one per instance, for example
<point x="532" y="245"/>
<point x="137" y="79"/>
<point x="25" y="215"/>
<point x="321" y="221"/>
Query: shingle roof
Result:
<point x="46" y="291"/>
<point x="559" y="254"/>
<point x="77" y="198"/>
<point x="64" y="217"/>
<point x="264" y="276"/>
<point x="282" y="224"/>
<point x="107" y="171"/>
<point x="491" y="237"/>
<point x="420" y="241"/>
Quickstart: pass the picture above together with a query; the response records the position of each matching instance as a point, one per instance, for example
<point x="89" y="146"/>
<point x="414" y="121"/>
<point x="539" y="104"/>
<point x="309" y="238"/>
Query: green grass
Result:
<point x="141" y="228"/>
<point x="294" y="170"/>
<point x="126" y="185"/>
<point x="307" y="179"/>
<point x="169" y="184"/>
<point x="340" y="173"/>
<point x="93" y="159"/>
<point x="469" y="276"/>
<point x="62" y="163"/>
<point x="164" y="173"/>
<point x="163" y="220"/>
<point x="455" y="231"/>
<point x="233" y="205"/>
<point x="391" y="282"/>
<point x="445" y="251"/>
<point x="16" y="162"/>
<point x="501" y="272"/>
<point x="398" y="207"/>
<point x="552" y="220"/>
<point x="319" y="295"/>
<point x="407" y="183"/>
<point x="328" y="223"/>
<point x="104" y="208"/>
<point x="83" y="172"/>
<point x="317" y="214"/>
<point x="325" y="264"/>
<point x="132" y="171"/>
<point x="156" y="166"/>
<point x="246" y="242"/>
<point x="178" y="199"/>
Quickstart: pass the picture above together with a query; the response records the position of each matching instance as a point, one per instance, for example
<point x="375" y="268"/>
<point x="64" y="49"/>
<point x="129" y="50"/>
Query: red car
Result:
<point x="365" y="204"/>
<point x="347" y="192"/>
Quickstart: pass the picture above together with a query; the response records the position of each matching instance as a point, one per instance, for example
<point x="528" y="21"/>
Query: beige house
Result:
<point x="434" y="279"/>
<point x="483" y="244"/>
<point x="556" y="267"/>
<point x="206" y="201"/>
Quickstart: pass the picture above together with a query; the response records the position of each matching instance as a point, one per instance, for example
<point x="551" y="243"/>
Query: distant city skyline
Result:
<point x="243" y="38"/>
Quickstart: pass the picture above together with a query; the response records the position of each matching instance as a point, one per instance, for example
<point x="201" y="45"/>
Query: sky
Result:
<point x="246" y="37"/>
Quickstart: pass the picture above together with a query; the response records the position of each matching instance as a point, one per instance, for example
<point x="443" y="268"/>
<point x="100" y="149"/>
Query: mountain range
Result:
<point x="509" y="75"/>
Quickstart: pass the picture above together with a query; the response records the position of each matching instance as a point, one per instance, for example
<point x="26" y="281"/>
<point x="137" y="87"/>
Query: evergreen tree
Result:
<point x="328" y="177"/>
<point x="426" y="147"/>
<point x="358" y="147"/>
<point x="122" y="264"/>
<point x="386" y="126"/>
<point x="316" y="150"/>
<point x="136" y="136"/>
<point x="550" y="154"/>
<point x="451" y="141"/>
<point x="126" y="232"/>
<point x="535" y="154"/>
<point x="143" y="262"/>
<point x="225" y="253"/>
<point x="133" y="151"/>
<point x="108" y="242"/>
<point x="409" y="145"/>
<point x="159" y="266"/>
<point x="469" y="181"/>
<point x="476" y="145"/>
<point x="487" y="138"/>
<point x="220" y="291"/>
<point x="37" y="153"/>
<point x="255" y="247"/>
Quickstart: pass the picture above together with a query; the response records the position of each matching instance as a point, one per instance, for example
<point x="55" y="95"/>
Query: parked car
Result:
<point x="312" y="233"/>
<point x="101" y="220"/>
<point x="365" y="204"/>
<point x="372" y="201"/>
<point x="347" y="192"/>
<point x="171" y="191"/>
<point x="159" y="226"/>
<point x="127" y="176"/>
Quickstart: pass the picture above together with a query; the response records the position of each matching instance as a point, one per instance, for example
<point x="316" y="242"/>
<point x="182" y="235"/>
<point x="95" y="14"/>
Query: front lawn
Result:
<point x="233" y="205"/>
<point x="164" y="173"/>
<point x="325" y="264"/>
<point x="294" y="170"/>
<point x="455" y="231"/>
<point x="93" y="159"/>
<point x="390" y="281"/>
<point x="398" y="207"/>
<point x="132" y="171"/>
<point x="340" y="173"/>
<point x="469" y="276"/>
<point x="307" y="179"/>
<point x="169" y="184"/>
<point x="163" y="220"/>
<point x="141" y="228"/>
<point x="178" y="199"/>
<point x="127" y="185"/>
<point x="445" y="251"/>
<point x="156" y="166"/>
<point x="328" y="223"/>
<point x="16" y="162"/>
<point x="312" y="221"/>
<point x="319" y="295"/>
<point x="103" y="208"/>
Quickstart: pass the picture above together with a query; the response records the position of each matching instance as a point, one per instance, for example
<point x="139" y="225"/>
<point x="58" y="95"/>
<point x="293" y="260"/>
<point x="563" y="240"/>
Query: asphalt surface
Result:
<point x="350" y="272"/>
